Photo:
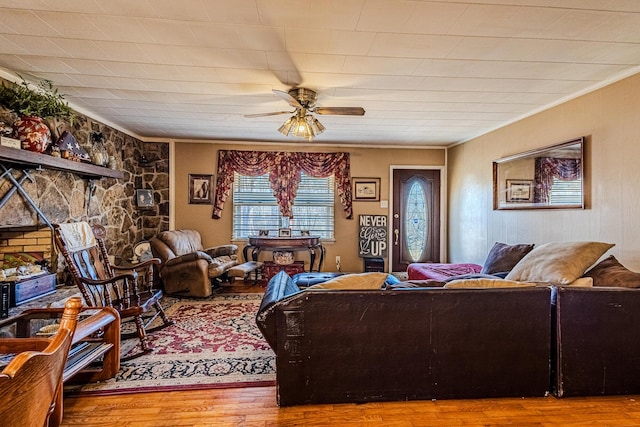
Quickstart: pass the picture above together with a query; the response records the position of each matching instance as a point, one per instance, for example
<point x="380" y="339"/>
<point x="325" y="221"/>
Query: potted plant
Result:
<point x="32" y="105"/>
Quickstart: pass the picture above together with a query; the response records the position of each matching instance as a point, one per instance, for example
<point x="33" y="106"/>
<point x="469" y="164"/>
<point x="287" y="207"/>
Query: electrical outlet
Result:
<point x="338" y="262"/>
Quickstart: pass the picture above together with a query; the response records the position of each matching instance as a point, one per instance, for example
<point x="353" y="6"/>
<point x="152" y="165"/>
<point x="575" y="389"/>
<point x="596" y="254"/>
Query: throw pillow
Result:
<point x="559" y="263"/>
<point x="486" y="283"/>
<point x="503" y="257"/>
<point x="354" y="281"/>
<point x="609" y="272"/>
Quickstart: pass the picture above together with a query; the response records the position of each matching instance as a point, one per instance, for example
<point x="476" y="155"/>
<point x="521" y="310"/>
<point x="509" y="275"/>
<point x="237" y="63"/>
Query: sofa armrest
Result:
<point x="222" y="250"/>
<point x="193" y="256"/>
<point x="279" y="287"/>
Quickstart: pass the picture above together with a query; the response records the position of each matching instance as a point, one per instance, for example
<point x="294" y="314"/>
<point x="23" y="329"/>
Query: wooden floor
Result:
<point x="257" y="407"/>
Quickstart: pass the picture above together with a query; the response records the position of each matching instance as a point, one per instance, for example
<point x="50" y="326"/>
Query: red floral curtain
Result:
<point x="547" y="168"/>
<point x="284" y="169"/>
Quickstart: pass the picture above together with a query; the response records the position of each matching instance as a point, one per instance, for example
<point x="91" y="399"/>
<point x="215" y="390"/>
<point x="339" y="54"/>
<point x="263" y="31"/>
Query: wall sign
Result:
<point x="372" y="236"/>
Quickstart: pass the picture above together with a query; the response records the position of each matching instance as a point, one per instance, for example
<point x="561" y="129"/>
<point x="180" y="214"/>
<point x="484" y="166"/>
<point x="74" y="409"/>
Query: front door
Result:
<point x="416" y="217"/>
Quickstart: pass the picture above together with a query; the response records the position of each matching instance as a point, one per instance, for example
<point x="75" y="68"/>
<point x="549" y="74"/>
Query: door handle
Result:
<point x="396" y="233"/>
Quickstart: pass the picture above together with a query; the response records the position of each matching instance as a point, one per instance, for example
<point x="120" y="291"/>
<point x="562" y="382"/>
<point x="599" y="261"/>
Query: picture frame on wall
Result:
<point x="519" y="190"/>
<point x="284" y="232"/>
<point x="144" y="198"/>
<point x="366" y="189"/>
<point x="200" y="189"/>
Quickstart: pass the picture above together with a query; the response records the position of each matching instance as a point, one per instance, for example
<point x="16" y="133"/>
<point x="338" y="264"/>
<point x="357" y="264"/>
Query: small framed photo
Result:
<point x="305" y="233"/>
<point x="284" y="232"/>
<point x="519" y="190"/>
<point x="366" y="189"/>
<point x="144" y="198"/>
<point x="200" y="189"/>
<point x="263" y="233"/>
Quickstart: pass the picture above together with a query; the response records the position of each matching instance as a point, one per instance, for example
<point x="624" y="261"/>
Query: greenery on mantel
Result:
<point x="44" y="102"/>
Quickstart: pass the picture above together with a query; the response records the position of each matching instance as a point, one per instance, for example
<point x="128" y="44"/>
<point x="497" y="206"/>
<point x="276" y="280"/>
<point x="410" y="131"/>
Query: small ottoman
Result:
<point x="303" y="280"/>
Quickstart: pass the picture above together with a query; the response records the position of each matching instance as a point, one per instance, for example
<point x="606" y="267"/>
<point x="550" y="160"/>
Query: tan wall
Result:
<point x="201" y="158"/>
<point x="610" y="119"/>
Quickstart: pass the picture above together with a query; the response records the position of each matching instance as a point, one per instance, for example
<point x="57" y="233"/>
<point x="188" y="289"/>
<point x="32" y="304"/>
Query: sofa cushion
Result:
<point x="359" y="281"/>
<point x="303" y="280"/>
<point x="581" y="282"/>
<point x="419" y="283"/>
<point x="559" y="263"/>
<point x="503" y="257"/>
<point x="609" y="272"/>
<point x="486" y="283"/>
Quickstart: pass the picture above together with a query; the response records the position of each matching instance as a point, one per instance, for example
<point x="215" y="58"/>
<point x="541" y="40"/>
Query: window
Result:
<point x="255" y="208"/>
<point x="565" y="192"/>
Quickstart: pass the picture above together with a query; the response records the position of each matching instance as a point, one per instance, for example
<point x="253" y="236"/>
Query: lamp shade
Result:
<point x="302" y="125"/>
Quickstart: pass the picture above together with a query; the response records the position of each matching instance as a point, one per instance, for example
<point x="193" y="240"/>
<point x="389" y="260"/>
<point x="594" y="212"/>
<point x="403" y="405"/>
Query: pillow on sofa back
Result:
<point x="354" y="281"/>
<point x="503" y="257"/>
<point x="559" y="263"/>
<point x="609" y="272"/>
<point x="486" y="283"/>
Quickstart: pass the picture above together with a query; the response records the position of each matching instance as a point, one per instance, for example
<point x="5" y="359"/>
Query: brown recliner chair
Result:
<point x="187" y="268"/>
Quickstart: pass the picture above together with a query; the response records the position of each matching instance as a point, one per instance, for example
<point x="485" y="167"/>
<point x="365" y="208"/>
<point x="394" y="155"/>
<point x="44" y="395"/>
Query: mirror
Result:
<point x="546" y="178"/>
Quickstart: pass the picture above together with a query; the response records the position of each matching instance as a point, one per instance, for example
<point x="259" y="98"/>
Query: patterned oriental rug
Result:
<point x="215" y="343"/>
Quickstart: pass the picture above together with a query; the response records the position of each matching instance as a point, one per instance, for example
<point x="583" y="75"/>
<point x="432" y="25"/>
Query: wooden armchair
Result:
<point x="31" y="384"/>
<point x="129" y="290"/>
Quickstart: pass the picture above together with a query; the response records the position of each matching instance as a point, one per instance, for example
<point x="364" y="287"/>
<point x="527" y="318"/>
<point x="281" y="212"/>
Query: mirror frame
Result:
<point x="523" y="188"/>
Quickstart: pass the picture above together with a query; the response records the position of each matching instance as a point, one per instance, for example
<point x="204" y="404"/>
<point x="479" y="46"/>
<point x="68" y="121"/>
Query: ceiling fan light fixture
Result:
<point x="302" y="124"/>
<point x="317" y="126"/>
<point x="307" y="127"/>
<point x="303" y="129"/>
<point x="286" y="126"/>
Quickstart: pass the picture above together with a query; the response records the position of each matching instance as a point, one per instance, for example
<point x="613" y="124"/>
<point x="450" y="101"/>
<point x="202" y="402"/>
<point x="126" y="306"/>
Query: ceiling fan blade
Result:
<point x="275" y="113"/>
<point x="345" y="111"/>
<point x="290" y="99"/>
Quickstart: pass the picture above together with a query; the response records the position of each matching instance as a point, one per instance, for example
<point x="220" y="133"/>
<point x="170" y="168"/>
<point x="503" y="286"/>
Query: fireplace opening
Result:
<point x="26" y="247"/>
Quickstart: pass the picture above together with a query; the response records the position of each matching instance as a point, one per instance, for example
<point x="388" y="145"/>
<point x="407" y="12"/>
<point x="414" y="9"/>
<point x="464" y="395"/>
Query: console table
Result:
<point x="286" y="244"/>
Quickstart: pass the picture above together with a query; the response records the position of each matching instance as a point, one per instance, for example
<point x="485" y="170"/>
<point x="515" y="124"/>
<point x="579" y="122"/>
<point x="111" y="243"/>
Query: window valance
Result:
<point x="284" y="169"/>
<point x="546" y="168"/>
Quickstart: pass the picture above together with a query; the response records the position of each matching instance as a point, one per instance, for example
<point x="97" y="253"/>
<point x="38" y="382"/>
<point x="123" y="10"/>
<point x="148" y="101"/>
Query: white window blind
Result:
<point x="565" y="192"/>
<point x="255" y="208"/>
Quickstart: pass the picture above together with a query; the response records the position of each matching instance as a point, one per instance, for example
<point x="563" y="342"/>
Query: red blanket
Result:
<point x="419" y="271"/>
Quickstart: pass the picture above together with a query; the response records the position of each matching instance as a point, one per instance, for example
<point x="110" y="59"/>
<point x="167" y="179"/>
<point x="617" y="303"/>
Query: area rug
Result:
<point x="215" y="343"/>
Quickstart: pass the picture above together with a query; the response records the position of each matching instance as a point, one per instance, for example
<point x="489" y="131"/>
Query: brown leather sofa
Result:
<point x="187" y="268"/>
<point x="423" y="343"/>
<point x="598" y="344"/>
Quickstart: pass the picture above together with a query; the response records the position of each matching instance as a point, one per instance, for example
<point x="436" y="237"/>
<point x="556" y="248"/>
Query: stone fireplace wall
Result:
<point x="67" y="197"/>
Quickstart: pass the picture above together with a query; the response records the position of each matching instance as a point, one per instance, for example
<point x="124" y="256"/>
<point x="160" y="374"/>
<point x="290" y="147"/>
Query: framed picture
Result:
<point x="305" y="233"/>
<point x="200" y="189"/>
<point x="284" y="232"/>
<point x="366" y="189"/>
<point x="263" y="233"/>
<point x="144" y="198"/>
<point x="520" y="190"/>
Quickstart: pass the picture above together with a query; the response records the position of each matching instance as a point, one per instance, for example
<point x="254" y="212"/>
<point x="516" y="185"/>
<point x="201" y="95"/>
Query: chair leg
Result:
<point x="163" y="316"/>
<point x="142" y="334"/>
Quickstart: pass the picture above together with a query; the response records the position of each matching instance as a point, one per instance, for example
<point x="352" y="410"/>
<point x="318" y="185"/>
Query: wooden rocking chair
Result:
<point x="31" y="384"/>
<point x="129" y="290"/>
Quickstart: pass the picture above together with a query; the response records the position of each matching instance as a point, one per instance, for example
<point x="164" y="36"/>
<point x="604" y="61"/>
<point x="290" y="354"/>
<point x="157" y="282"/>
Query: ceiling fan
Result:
<point x="302" y="124"/>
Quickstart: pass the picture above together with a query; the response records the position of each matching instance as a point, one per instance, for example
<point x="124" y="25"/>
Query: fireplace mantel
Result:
<point x="25" y="159"/>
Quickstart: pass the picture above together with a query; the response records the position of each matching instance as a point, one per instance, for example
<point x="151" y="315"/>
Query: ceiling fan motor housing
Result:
<point x="306" y="97"/>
